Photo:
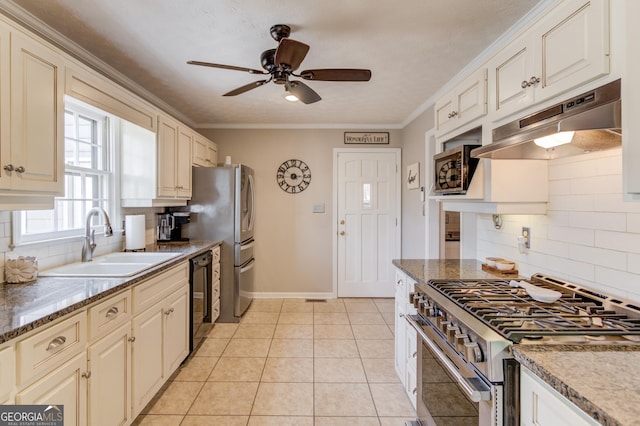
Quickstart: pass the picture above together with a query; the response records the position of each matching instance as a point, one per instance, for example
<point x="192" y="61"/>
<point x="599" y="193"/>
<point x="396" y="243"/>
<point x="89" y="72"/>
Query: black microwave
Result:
<point x="454" y="169"/>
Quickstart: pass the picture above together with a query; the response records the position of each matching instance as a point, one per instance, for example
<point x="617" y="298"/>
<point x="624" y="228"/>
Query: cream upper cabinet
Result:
<point x="566" y="48"/>
<point x="463" y="104"/>
<point x="174" y="159"/>
<point x="31" y="121"/>
<point x="205" y="152"/>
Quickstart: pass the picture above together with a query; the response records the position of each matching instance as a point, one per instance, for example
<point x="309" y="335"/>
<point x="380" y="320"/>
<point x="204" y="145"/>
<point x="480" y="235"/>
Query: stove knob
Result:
<point x="461" y="339"/>
<point x="412" y="295"/>
<point x="430" y="309"/>
<point x="443" y="324"/>
<point x="417" y="299"/>
<point x="452" y="330"/>
<point x="472" y="352"/>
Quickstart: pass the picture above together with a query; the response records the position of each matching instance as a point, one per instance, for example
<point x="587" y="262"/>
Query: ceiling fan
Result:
<point x="281" y="63"/>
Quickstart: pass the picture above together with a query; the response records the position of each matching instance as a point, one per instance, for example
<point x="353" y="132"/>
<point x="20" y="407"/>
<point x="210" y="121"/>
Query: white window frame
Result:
<point x="110" y="131"/>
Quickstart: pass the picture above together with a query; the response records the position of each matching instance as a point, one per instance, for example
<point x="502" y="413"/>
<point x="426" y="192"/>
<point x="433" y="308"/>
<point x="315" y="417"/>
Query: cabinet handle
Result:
<point x="399" y="282"/>
<point x="56" y="343"/>
<point x="8" y="168"/>
<point x="401" y="315"/>
<point x="452" y="114"/>
<point x="86" y="374"/>
<point x="112" y="312"/>
<point x="169" y="311"/>
<point x="532" y="81"/>
<point x="415" y="391"/>
<point x="132" y="339"/>
<point x="20" y="169"/>
<point x="415" y="354"/>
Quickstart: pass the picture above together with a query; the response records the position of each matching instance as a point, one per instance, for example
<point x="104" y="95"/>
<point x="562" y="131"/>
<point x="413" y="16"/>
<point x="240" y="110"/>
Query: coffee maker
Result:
<point x="170" y="226"/>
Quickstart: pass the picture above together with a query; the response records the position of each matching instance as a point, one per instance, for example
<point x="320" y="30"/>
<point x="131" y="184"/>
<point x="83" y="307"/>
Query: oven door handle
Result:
<point x="474" y="394"/>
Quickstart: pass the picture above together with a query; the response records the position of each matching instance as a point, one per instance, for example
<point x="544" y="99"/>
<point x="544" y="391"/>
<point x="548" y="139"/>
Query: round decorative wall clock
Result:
<point x="293" y="176"/>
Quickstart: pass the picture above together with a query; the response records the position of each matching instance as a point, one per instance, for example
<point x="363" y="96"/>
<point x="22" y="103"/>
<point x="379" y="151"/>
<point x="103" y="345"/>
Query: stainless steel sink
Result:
<point x="111" y="265"/>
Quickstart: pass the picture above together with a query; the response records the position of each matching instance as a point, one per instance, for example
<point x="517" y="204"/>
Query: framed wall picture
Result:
<point x="413" y="176"/>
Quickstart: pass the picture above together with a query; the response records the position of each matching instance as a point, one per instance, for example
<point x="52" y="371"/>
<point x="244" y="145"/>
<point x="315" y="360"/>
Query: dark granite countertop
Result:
<point x="601" y="379"/>
<point x="423" y="270"/>
<point x="24" y="307"/>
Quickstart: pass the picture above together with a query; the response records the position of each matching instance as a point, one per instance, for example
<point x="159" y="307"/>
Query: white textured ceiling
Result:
<point x="412" y="47"/>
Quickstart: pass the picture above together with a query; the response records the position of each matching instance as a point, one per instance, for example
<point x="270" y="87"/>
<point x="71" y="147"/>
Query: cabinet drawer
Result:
<point x="216" y="254"/>
<point x="215" y="290"/>
<point x="155" y="289"/>
<point x="109" y="314"/>
<point x="215" y="311"/>
<point x="47" y="349"/>
<point x="215" y="271"/>
<point x="7" y="371"/>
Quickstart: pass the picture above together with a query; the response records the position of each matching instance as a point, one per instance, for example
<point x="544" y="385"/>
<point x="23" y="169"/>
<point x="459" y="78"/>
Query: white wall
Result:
<point x="293" y="245"/>
<point x="590" y="235"/>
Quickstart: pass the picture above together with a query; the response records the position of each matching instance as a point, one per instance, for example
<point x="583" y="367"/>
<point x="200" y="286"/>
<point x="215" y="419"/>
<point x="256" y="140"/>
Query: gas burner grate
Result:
<point x="514" y="314"/>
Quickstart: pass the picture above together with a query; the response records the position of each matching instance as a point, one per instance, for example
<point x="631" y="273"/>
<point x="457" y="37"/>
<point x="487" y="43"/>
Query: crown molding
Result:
<point x="340" y="126"/>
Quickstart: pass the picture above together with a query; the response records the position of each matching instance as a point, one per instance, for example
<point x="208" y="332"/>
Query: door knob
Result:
<point x="342" y="222"/>
<point x="342" y="233"/>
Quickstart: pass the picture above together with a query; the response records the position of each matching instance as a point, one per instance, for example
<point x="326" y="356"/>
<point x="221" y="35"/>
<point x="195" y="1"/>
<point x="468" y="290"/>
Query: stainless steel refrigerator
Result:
<point x="222" y="209"/>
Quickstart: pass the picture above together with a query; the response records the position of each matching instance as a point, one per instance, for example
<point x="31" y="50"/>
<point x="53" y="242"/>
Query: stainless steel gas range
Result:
<point x="466" y="373"/>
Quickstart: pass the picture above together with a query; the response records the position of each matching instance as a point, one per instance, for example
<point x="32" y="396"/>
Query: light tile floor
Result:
<point x="291" y="362"/>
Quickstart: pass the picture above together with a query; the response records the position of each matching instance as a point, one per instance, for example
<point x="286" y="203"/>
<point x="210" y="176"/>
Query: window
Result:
<point x="87" y="180"/>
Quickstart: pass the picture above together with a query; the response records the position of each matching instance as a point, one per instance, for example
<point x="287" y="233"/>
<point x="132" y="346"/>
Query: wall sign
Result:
<point x="413" y="176"/>
<point x="368" y="138"/>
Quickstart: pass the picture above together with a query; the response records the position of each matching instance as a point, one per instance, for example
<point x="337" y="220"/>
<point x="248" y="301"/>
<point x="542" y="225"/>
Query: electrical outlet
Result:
<point x="526" y="235"/>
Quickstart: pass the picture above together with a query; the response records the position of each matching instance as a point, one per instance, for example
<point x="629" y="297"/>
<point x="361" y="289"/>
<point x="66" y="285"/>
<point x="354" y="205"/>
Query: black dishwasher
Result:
<point x="200" y="269"/>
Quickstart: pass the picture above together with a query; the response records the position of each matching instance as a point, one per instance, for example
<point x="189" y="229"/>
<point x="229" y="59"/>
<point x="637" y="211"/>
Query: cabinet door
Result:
<point x="212" y="150"/>
<point x="183" y="163"/>
<point x="147" y="355"/>
<point x="200" y="152"/>
<point x="5" y="145"/>
<point x="511" y="69"/>
<point x="542" y="405"/>
<point x="444" y="117"/>
<point x="64" y="386"/>
<point x="176" y="340"/>
<point x="37" y="116"/>
<point x="110" y="381"/>
<point x="574" y="47"/>
<point x="7" y="371"/>
<point x="167" y="142"/>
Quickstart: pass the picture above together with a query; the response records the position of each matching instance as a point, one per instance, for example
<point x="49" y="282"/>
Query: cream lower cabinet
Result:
<point x="32" y="139"/>
<point x="566" y="48"/>
<point x="405" y="336"/>
<point x="7" y="372"/>
<point x="540" y="404"/>
<point x="160" y="332"/>
<point x="109" y="361"/>
<point x="65" y="386"/>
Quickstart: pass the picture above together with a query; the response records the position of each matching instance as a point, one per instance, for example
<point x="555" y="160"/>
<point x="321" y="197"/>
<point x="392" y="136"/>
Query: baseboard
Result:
<point x="278" y="295"/>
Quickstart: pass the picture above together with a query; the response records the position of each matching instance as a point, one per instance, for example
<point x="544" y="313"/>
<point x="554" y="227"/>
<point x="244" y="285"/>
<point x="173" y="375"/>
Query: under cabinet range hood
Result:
<point x="588" y="122"/>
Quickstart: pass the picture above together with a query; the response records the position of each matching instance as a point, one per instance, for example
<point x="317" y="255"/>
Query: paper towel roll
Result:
<point x="134" y="232"/>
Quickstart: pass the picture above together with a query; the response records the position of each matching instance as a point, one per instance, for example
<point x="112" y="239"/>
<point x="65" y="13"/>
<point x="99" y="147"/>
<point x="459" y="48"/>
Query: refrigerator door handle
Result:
<point x="248" y="266"/>
<point x="247" y="245"/>
<point x="252" y="195"/>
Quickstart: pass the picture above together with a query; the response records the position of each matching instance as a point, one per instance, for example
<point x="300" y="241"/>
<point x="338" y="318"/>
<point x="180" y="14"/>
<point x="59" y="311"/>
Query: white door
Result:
<point x="368" y="221"/>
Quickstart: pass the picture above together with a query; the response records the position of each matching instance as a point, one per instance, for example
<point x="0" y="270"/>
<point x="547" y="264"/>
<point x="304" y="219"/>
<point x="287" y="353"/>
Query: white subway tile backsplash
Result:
<point x="599" y="220"/>
<point x="598" y="256"/>
<point x="590" y="234"/>
<point x="621" y="241"/>
<point x="585" y="237"/>
<point x="573" y="202"/>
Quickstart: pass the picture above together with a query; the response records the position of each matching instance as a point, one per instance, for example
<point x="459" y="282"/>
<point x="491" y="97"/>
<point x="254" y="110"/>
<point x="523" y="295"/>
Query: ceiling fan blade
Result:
<point x="290" y="54"/>
<point x="303" y="92"/>
<point x="226" y="67"/>
<point x="246" y="88"/>
<point x="337" y="74"/>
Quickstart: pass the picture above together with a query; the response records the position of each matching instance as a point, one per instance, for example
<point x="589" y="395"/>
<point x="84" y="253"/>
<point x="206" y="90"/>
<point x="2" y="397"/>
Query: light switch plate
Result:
<point x="318" y="208"/>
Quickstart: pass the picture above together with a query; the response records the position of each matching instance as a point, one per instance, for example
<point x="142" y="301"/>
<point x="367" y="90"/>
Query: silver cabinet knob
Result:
<point x="132" y="339"/>
<point x="86" y="374"/>
<point x="524" y="84"/>
<point x="20" y="169"/>
<point x="8" y="168"/>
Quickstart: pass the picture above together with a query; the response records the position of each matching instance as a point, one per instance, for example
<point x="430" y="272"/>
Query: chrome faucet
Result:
<point x="90" y="234"/>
